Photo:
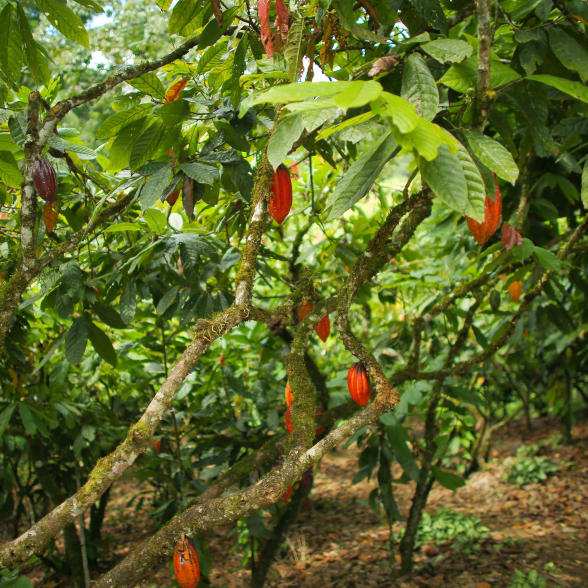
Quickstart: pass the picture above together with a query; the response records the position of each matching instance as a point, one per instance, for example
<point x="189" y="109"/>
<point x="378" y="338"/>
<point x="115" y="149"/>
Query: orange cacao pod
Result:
<point x="323" y="328"/>
<point x="157" y="445"/>
<point x="281" y="199"/>
<point x="515" y="289"/>
<point x="289" y="397"/>
<point x="186" y="566"/>
<point x="358" y="383"/>
<point x="304" y="309"/>
<point x="492" y="215"/>
<point x="45" y="179"/>
<point x="289" y="424"/>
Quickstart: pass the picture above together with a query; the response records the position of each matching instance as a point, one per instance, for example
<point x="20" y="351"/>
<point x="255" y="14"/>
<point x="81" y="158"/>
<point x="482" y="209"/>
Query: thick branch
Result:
<point x="483" y="100"/>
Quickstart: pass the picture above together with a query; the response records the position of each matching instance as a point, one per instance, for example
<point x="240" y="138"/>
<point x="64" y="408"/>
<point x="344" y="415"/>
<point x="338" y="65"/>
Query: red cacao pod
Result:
<point x="323" y="328"/>
<point x="281" y="199"/>
<point x="319" y="430"/>
<point x="45" y="179"/>
<point x="492" y="215"/>
<point x="515" y="289"/>
<point x="286" y="496"/>
<point x="186" y="566"/>
<point x="289" y="397"/>
<point x="288" y="418"/>
<point x="157" y="445"/>
<point x="358" y="383"/>
<point x="304" y="309"/>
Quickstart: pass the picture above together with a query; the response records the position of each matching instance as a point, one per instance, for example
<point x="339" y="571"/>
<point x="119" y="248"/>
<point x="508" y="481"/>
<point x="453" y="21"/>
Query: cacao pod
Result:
<point x="358" y="383"/>
<point x="157" y="445"/>
<point x="288" y="418"/>
<point x="186" y="566"/>
<point x="45" y="179"/>
<point x="323" y="328"/>
<point x="281" y="199"/>
<point x="515" y="290"/>
<point x="319" y="430"/>
<point x="286" y="496"/>
<point x="288" y="394"/>
<point x="492" y="215"/>
<point x="171" y="199"/>
<point x="304" y="309"/>
<point x="50" y="216"/>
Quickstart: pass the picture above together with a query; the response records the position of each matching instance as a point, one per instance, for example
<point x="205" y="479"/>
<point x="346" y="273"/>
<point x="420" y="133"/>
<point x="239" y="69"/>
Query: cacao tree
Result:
<point x="424" y="167"/>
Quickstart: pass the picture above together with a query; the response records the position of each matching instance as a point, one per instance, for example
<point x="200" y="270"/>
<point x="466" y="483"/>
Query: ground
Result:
<point x="339" y="541"/>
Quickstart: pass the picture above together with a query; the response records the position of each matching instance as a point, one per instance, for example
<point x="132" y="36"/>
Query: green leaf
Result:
<point x="81" y="151"/>
<point x="493" y="155"/>
<point x="154" y="188"/>
<point x="150" y="84"/>
<point x="419" y="88"/>
<point x="447" y="479"/>
<point x="575" y="89"/>
<point x="184" y="11"/>
<point x="76" y="340"/>
<point x="94" y="6"/>
<point x="294" y="50"/>
<point x="360" y="177"/>
<point x="546" y="258"/>
<point x="585" y="184"/>
<point x="65" y="20"/>
<point x="109" y="316"/>
<point x="444" y="50"/>
<point x="354" y="120"/>
<point x="476" y="187"/>
<point x="128" y="302"/>
<point x="163" y="4"/>
<point x="444" y="175"/>
<point x="167" y="300"/>
<point x="401" y="114"/>
<point x="211" y="33"/>
<point x="12" y="56"/>
<point x="238" y="69"/>
<point x="119" y="227"/>
<point x="462" y="76"/>
<point x="28" y="419"/>
<point x="9" y="172"/>
<point x="573" y="55"/>
<point x="122" y="146"/>
<point x="286" y="134"/>
<point x="35" y="56"/>
<point x="427" y="138"/>
<point x="147" y="143"/>
<point x="213" y="56"/>
<point x="114" y="123"/>
<point x="5" y="417"/>
<point x="205" y="174"/>
<point x="102" y="345"/>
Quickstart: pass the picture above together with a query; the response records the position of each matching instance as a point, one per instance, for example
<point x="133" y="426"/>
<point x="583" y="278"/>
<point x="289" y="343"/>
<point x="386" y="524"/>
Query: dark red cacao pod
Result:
<point x="323" y="328"/>
<point x="173" y="197"/>
<point x="288" y="418"/>
<point x="492" y="215"/>
<point x="45" y="179"/>
<point x="358" y="383"/>
<point x="286" y="496"/>
<point x="319" y="430"/>
<point x="186" y="566"/>
<point x="281" y="199"/>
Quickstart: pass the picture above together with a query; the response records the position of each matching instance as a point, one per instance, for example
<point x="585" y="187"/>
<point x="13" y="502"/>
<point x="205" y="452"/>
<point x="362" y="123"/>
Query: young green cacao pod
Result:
<point x="323" y="328"/>
<point x="515" y="289"/>
<point x="289" y="397"/>
<point x="492" y="215"/>
<point x="288" y="418"/>
<point x="186" y="566"/>
<point x="358" y="383"/>
<point x="45" y="179"/>
<point x="281" y="199"/>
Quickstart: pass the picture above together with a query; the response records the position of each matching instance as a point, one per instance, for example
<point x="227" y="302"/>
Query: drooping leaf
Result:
<point x="573" y="55"/>
<point x="128" y="302"/>
<point x="585" y="184"/>
<point x="76" y="340"/>
<point x="294" y="50"/>
<point x="493" y="155"/>
<point x="263" y="11"/>
<point x="360" y="177"/>
<point x="112" y="125"/>
<point x="102" y="344"/>
<point x="183" y="12"/>
<point x="64" y="20"/>
<point x="476" y="189"/>
<point x="448" y="50"/>
<point x="575" y="89"/>
<point x="204" y="174"/>
<point x="154" y="188"/>
<point x="447" y="479"/>
<point x="9" y="172"/>
<point x="287" y="132"/>
<point x="149" y="84"/>
<point x="419" y="88"/>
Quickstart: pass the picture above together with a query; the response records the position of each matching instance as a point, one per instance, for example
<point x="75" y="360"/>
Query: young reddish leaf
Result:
<point x="304" y="309"/>
<point x="492" y="215"/>
<point x="263" y="10"/>
<point x="282" y="17"/>
<point x="174" y="91"/>
<point x="323" y="328"/>
<point x="50" y="215"/>
<point x="510" y="236"/>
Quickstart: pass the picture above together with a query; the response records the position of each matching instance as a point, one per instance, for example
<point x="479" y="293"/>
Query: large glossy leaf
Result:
<point x="9" y="172"/>
<point x="184" y="11"/>
<point x="493" y="155"/>
<point x="448" y="50"/>
<point x="419" y="88"/>
<point x="475" y="183"/>
<point x="584" y="192"/>
<point x="64" y="20"/>
<point x="573" y="55"/>
<point x="112" y="125"/>
<point x="360" y="177"/>
<point x="154" y="188"/>
<point x="287" y="132"/>
<point x="575" y="89"/>
<point x="444" y="175"/>
<point x="76" y="340"/>
<point x="102" y="344"/>
<point x="461" y="77"/>
<point x="204" y="174"/>
<point x="12" y="56"/>
<point x="150" y="84"/>
<point x="294" y="50"/>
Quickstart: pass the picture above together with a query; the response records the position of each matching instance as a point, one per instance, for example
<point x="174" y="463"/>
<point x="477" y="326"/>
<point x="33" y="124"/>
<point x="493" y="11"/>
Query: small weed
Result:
<point x="530" y="580"/>
<point x="529" y="469"/>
